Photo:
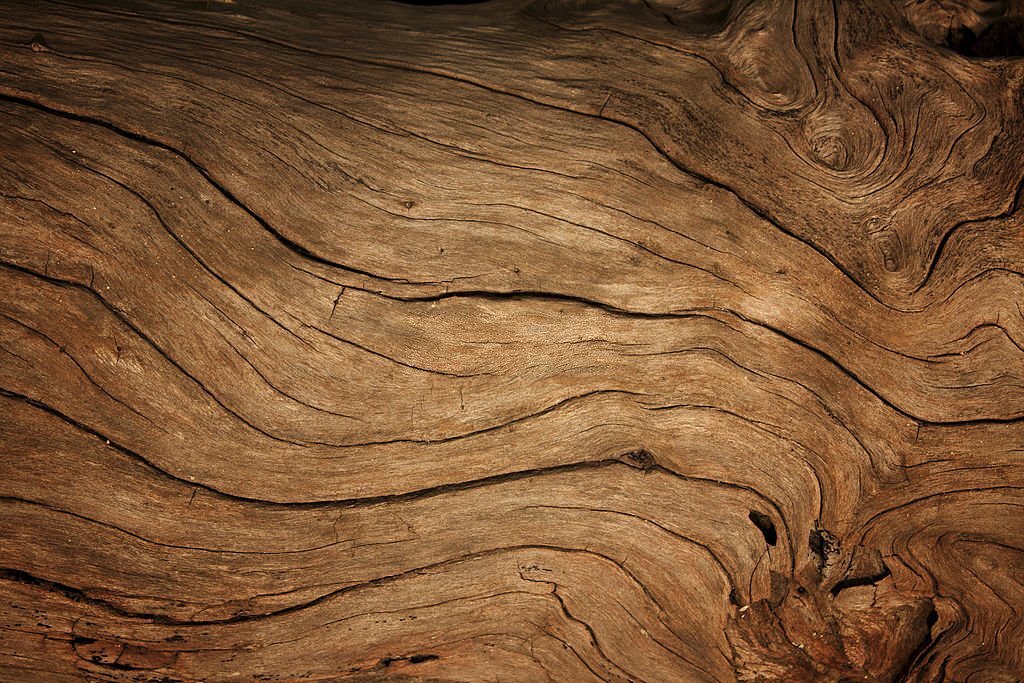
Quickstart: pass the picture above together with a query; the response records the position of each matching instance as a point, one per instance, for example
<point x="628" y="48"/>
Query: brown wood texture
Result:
<point x="571" y="340"/>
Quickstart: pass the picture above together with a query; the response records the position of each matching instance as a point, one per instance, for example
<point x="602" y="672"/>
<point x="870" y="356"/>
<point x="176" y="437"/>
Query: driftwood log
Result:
<point x="530" y="340"/>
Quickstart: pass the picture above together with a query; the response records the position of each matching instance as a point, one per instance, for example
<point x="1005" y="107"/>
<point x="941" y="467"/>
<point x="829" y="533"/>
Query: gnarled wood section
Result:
<point x="569" y="340"/>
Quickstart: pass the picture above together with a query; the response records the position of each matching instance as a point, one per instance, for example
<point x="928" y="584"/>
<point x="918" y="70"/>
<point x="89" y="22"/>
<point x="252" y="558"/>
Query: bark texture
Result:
<point x="646" y="340"/>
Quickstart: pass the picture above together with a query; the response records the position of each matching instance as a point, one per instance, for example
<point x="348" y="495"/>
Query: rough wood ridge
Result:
<point x="571" y="340"/>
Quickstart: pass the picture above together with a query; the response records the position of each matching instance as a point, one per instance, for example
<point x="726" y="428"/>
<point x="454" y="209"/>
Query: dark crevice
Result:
<point x="926" y="643"/>
<point x="69" y="592"/>
<point x="868" y="580"/>
<point x="766" y="526"/>
<point x="822" y="545"/>
<point x="412" y="659"/>
<point x="641" y="459"/>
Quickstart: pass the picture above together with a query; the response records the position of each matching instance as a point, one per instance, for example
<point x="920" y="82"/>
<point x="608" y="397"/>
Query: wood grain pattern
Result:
<point x="567" y="340"/>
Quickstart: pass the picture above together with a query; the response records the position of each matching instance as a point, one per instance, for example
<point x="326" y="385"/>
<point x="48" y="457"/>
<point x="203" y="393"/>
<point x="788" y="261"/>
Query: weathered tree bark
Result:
<point x="576" y="340"/>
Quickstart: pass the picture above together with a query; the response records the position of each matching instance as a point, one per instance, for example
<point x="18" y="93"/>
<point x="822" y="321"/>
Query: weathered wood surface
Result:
<point x="570" y="340"/>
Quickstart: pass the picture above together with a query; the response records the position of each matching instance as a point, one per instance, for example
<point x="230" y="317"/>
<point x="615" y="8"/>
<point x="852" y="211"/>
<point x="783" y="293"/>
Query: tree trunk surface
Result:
<point x="571" y="340"/>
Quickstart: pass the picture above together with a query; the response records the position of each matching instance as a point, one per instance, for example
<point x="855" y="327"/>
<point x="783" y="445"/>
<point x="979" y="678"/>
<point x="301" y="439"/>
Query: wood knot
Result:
<point x="843" y="138"/>
<point x="888" y="243"/>
<point x="640" y="458"/>
<point x="831" y="151"/>
<point x="38" y="43"/>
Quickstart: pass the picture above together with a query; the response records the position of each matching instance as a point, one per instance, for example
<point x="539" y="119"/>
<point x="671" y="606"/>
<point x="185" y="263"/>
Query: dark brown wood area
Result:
<point x="527" y="340"/>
